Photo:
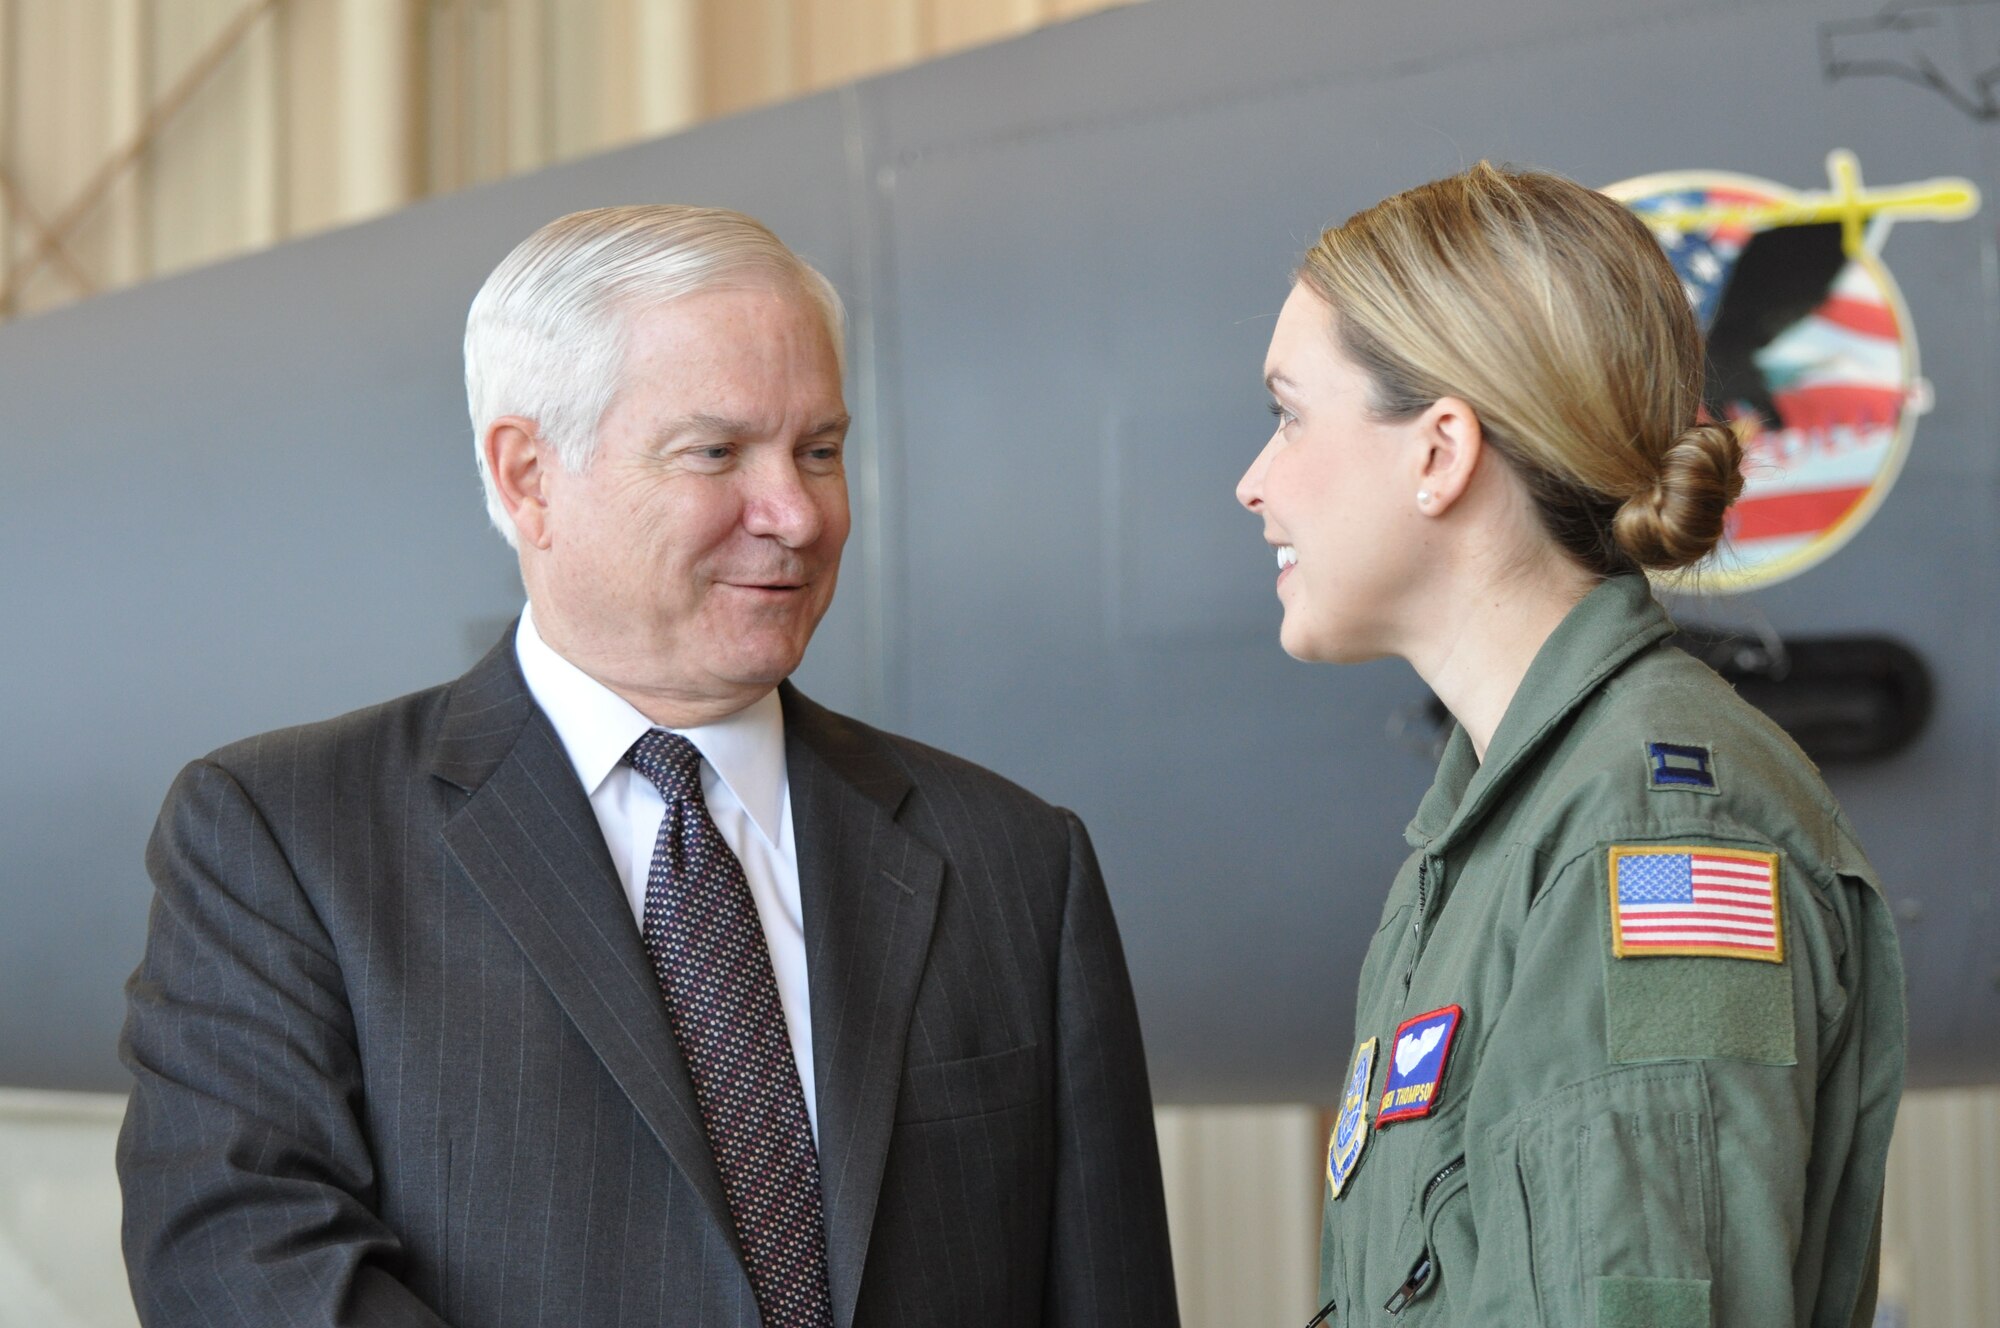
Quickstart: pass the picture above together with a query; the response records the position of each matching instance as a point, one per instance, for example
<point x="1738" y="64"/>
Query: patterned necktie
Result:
<point x="707" y="947"/>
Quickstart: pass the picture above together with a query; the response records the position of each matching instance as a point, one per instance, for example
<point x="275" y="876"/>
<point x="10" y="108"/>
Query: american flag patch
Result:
<point x="1695" y="901"/>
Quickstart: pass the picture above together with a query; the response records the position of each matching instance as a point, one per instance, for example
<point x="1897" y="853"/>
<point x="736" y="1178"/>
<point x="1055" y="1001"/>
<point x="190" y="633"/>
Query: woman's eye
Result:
<point x="1283" y="416"/>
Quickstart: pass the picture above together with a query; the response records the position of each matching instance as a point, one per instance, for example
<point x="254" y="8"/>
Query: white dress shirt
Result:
<point x="742" y="779"/>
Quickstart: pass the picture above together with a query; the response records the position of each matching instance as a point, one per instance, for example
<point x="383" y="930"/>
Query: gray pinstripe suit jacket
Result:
<point x="401" y="1060"/>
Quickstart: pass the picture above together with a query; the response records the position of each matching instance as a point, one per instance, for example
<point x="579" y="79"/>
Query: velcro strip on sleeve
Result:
<point x="1680" y="1009"/>
<point x="1652" y="1302"/>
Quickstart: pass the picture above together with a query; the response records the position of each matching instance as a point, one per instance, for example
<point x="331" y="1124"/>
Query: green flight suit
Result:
<point x="1649" y="1140"/>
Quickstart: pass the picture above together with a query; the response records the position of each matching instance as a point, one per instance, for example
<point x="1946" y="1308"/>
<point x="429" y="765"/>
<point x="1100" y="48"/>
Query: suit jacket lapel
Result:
<point x="869" y="891"/>
<point x="529" y="842"/>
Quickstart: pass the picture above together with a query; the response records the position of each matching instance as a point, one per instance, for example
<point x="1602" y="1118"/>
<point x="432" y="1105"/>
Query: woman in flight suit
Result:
<point x="1629" y="1036"/>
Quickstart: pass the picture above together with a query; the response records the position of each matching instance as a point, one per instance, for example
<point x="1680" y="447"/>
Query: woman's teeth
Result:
<point x="1287" y="555"/>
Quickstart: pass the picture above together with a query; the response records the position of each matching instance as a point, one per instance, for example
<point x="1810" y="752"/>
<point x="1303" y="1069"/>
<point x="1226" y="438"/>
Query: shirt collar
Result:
<point x="597" y="727"/>
<point x="1614" y="622"/>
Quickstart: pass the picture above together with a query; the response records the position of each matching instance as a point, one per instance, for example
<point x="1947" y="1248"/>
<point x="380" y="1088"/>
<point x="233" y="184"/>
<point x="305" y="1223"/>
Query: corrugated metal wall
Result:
<point x="1243" y="1188"/>
<point x="141" y="137"/>
<point x="1941" y="1225"/>
<point x="1243" y="1193"/>
<point x="1245" y="1211"/>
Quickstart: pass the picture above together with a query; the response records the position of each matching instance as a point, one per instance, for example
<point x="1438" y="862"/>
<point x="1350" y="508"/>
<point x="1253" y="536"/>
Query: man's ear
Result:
<point x="520" y="463"/>
<point x="1451" y="443"/>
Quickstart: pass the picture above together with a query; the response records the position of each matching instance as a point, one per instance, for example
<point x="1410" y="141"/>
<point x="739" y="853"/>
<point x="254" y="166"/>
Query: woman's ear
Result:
<point x="1450" y="443"/>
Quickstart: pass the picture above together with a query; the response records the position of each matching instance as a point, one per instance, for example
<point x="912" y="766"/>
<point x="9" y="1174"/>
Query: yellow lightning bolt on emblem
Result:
<point x="1948" y="198"/>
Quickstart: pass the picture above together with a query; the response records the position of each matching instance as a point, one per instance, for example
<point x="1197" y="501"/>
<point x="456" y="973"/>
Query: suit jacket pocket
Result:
<point x="975" y="1086"/>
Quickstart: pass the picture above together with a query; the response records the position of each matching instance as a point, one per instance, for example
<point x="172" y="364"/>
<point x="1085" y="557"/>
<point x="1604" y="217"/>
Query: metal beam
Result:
<point x="178" y="96"/>
<point x="17" y="202"/>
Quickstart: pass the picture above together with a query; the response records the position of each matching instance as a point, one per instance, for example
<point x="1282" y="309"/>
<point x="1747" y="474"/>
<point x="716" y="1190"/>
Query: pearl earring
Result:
<point x="1423" y="497"/>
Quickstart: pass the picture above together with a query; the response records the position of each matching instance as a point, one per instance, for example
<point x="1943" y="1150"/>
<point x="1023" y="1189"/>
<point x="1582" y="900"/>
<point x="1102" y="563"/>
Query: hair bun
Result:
<point x="1678" y="520"/>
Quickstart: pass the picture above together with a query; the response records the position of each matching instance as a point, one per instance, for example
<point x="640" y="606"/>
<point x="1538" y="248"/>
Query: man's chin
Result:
<point x="762" y="669"/>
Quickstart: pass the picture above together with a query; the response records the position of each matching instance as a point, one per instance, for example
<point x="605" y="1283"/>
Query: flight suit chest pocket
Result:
<point x="974" y="1086"/>
<point x="1438" y="1245"/>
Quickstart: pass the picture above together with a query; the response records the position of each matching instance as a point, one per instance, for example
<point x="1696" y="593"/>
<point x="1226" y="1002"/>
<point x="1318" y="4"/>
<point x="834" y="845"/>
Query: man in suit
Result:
<point x="617" y="982"/>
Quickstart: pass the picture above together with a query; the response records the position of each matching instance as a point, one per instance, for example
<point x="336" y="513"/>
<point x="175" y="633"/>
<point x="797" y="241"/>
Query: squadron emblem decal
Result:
<point x="1811" y="352"/>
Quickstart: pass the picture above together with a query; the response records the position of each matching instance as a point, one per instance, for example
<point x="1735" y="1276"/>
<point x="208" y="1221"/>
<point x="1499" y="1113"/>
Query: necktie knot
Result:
<point x="671" y="762"/>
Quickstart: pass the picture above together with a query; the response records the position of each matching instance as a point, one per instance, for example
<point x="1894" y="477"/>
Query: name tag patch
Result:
<point x="1416" y="1066"/>
<point x="1350" y="1129"/>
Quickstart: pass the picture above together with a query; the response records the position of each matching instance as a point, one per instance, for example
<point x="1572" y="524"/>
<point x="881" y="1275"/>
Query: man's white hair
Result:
<point x="545" y="338"/>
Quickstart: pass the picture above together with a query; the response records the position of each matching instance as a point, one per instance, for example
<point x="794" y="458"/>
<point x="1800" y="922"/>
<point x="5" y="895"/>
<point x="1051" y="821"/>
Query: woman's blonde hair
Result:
<point x="1550" y="309"/>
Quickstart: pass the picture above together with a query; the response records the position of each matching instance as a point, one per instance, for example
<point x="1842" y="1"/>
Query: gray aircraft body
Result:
<point x="245" y="497"/>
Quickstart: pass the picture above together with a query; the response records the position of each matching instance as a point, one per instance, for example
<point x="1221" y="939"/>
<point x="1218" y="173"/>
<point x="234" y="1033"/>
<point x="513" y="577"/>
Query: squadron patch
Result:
<point x="1812" y="354"/>
<point x="1416" y="1065"/>
<point x="1686" y="766"/>
<point x="1350" y="1129"/>
<point x="1683" y="900"/>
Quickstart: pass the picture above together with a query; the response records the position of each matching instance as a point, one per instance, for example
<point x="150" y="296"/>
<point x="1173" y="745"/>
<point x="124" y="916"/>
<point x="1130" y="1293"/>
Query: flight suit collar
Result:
<point x="1614" y="622"/>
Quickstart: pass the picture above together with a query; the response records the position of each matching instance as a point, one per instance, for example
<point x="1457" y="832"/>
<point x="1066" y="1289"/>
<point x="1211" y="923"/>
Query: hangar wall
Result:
<point x="1945" y="1151"/>
<point x="151" y="136"/>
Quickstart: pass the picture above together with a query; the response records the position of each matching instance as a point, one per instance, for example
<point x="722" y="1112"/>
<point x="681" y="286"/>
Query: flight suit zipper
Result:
<point x="1451" y="1168"/>
<point x="1420" y="1272"/>
<point x="1413" y="1285"/>
<point x="1417" y="922"/>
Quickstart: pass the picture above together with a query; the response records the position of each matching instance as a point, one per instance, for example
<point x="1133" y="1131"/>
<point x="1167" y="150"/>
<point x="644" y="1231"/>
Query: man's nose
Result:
<point x="781" y="505"/>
